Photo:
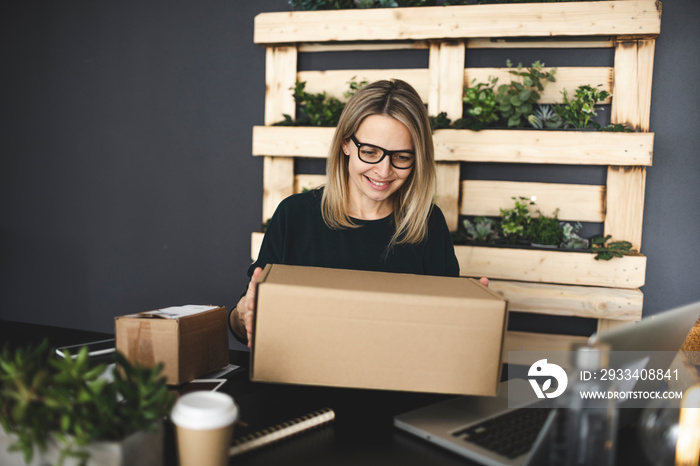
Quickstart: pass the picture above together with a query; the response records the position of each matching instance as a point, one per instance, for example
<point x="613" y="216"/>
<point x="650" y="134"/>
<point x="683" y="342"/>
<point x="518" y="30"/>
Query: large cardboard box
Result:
<point x="189" y="340"/>
<point x="377" y="330"/>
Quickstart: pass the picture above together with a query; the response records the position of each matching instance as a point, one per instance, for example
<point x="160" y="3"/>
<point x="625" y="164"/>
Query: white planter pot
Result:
<point x="139" y="449"/>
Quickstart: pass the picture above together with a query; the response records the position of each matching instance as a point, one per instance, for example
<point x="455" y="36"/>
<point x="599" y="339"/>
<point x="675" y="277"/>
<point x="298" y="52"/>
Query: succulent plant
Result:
<point x="482" y="230"/>
<point x="544" y="116"/>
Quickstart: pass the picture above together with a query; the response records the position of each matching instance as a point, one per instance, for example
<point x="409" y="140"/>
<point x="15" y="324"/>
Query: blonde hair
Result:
<point x="413" y="201"/>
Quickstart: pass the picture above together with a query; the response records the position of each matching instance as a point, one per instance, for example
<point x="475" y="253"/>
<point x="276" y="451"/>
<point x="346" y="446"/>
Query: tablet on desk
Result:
<point x="95" y="348"/>
<point x="200" y="385"/>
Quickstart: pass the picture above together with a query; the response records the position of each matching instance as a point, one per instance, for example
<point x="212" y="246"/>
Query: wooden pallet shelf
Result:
<point x="557" y="283"/>
<point x="489" y="145"/>
<point x="633" y="18"/>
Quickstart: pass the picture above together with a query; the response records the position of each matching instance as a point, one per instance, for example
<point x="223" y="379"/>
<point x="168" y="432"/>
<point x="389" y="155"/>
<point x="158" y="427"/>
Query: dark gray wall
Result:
<point x="126" y="180"/>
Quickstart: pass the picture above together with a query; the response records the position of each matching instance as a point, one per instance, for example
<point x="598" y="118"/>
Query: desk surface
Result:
<point x="363" y="432"/>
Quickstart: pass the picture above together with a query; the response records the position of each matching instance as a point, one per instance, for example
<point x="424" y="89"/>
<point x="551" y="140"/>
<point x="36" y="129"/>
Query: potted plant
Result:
<point x="63" y="411"/>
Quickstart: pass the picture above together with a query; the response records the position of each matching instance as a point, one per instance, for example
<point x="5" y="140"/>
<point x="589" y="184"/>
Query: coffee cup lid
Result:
<point x="204" y="410"/>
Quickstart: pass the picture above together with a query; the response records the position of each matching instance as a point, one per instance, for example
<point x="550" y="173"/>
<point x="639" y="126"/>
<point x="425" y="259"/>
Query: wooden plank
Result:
<point x="645" y="71"/>
<point x="566" y="268"/>
<point x="448" y="192"/>
<point x="434" y="78"/>
<point x="278" y="183"/>
<point x="603" y="18"/>
<point x="280" y="77"/>
<point x="539" y="42"/>
<point x="625" y="204"/>
<point x="625" y="105"/>
<point x="567" y="300"/>
<point x="286" y="141"/>
<point x="255" y="242"/>
<point x="335" y="82"/>
<point x="544" y="147"/>
<point x="308" y="182"/>
<point x="363" y="46"/>
<point x="568" y="78"/>
<point x="448" y="69"/>
<point x="503" y="146"/>
<point x="584" y="203"/>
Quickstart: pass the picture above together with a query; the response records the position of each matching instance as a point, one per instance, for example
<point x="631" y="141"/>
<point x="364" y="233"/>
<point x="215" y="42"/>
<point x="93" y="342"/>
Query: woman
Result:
<point x="375" y="211"/>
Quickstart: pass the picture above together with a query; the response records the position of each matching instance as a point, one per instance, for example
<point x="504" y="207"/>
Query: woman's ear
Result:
<point x="346" y="147"/>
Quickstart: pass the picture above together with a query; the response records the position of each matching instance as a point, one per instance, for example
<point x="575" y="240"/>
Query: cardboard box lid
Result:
<point x="403" y="284"/>
<point x="171" y="313"/>
<point x="377" y="330"/>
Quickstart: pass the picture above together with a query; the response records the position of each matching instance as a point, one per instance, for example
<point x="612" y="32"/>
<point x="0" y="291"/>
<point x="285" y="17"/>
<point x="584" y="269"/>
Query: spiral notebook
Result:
<point x="282" y="431"/>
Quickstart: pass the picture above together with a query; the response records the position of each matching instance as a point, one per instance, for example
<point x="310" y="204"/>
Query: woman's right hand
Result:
<point x="245" y="310"/>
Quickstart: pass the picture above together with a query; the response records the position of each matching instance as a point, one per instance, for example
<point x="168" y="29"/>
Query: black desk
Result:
<point x="363" y="432"/>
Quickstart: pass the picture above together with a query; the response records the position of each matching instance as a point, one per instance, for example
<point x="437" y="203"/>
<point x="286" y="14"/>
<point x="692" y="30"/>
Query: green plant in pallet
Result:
<point x="579" y="111"/>
<point x="545" y="230"/>
<point x="607" y="250"/>
<point x="317" y="109"/>
<point x="544" y="116"/>
<point x="515" y="221"/>
<point x="482" y="230"/>
<point x="616" y="128"/>
<point x="572" y="240"/>
<point x="42" y="396"/>
<point x="481" y="104"/>
<point x="517" y="100"/>
<point x="321" y="4"/>
<point x="440" y="122"/>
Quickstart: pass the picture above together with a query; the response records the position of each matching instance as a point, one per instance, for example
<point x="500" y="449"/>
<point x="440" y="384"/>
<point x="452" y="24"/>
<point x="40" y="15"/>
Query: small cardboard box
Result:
<point x="189" y="340"/>
<point x="376" y="330"/>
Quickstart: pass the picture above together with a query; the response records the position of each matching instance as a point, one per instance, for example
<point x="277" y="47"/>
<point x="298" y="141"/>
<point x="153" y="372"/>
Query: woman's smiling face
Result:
<point x="372" y="185"/>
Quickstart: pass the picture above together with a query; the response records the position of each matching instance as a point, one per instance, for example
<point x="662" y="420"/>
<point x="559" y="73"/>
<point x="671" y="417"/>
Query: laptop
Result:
<point x="462" y="424"/>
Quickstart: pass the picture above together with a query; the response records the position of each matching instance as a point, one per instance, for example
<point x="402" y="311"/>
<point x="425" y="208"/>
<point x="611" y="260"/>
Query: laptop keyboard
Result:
<point x="510" y="434"/>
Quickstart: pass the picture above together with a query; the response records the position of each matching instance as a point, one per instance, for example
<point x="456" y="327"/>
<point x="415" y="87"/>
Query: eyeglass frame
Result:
<point x="384" y="154"/>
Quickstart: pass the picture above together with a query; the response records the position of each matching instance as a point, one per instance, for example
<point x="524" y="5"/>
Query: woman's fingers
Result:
<point x="249" y="307"/>
<point x="250" y="294"/>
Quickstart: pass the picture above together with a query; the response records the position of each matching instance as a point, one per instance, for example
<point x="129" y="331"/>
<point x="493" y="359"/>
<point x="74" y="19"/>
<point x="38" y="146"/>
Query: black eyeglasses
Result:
<point x="401" y="159"/>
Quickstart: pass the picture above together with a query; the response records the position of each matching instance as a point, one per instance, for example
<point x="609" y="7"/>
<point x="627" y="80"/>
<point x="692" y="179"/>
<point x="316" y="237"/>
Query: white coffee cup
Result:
<point x="204" y="427"/>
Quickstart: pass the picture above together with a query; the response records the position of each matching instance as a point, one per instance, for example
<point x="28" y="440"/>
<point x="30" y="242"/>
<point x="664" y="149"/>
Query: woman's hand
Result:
<point x="245" y="310"/>
<point x="484" y="281"/>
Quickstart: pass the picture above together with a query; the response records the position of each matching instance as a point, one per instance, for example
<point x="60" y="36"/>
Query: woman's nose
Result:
<point x="384" y="167"/>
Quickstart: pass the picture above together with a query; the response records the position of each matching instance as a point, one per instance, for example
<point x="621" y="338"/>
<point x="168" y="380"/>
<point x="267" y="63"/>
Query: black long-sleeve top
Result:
<point x="297" y="235"/>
